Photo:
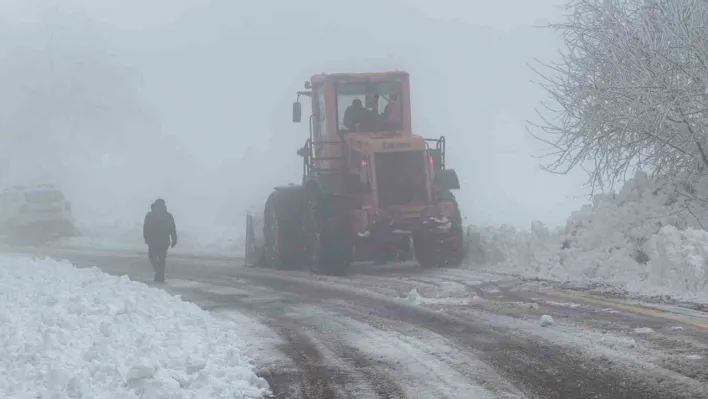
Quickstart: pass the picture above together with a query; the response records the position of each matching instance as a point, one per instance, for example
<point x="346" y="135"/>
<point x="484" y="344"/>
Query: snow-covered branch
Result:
<point x="631" y="89"/>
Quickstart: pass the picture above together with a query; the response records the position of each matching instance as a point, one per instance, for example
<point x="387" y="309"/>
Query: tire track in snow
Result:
<point x="430" y="364"/>
<point x="359" y="375"/>
<point x="313" y="376"/>
<point x="316" y="375"/>
<point x="541" y="366"/>
<point x="382" y="383"/>
<point x="398" y="364"/>
<point x="322" y="369"/>
<point x="332" y="343"/>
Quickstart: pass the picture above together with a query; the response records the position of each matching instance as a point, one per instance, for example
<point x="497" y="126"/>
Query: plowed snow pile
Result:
<point x="647" y="239"/>
<point x="71" y="333"/>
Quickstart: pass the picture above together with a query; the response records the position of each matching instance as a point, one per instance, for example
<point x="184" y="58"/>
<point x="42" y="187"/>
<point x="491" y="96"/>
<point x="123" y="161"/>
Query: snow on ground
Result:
<point x="119" y="234"/>
<point x="647" y="239"/>
<point x="425" y="364"/>
<point x="231" y="247"/>
<point x="415" y="298"/>
<point x="67" y="333"/>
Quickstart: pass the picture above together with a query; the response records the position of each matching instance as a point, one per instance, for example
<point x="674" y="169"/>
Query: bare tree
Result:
<point x="630" y="90"/>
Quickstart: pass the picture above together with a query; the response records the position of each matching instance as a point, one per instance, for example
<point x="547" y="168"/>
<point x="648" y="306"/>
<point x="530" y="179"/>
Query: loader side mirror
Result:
<point x="297" y="112"/>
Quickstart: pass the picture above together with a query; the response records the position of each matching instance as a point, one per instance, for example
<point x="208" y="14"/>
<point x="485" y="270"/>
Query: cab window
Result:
<point x="369" y="106"/>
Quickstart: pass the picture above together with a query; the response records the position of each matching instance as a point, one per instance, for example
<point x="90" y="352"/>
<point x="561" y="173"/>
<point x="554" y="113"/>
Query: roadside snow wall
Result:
<point x="648" y="239"/>
<point x="81" y="333"/>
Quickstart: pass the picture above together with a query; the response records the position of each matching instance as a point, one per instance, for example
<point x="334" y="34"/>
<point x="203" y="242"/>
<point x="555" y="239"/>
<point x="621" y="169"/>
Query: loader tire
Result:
<point x="253" y="253"/>
<point x="282" y="229"/>
<point x="435" y="250"/>
<point x="441" y="250"/>
<point x="456" y="241"/>
<point x="329" y="236"/>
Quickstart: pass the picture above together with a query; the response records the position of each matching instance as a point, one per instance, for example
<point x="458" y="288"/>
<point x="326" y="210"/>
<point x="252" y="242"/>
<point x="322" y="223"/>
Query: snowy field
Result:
<point x="647" y="239"/>
<point x="70" y="333"/>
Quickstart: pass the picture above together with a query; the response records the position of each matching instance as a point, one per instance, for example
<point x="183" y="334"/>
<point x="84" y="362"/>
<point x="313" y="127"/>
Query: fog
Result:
<point x="121" y="102"/>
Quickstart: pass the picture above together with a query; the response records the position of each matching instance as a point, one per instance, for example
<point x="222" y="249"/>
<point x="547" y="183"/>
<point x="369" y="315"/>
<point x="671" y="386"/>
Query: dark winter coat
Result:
<point x="159" y="227"/>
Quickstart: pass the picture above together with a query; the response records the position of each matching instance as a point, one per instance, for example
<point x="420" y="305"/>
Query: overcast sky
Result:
<point x="220" y="76"/>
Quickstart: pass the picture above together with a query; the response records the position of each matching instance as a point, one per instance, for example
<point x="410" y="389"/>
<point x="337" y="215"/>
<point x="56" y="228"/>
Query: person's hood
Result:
<point x="159" y="205"/>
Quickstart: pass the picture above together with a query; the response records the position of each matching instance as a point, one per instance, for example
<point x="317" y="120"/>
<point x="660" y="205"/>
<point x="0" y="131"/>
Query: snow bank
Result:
<point x="70" y="333"/>
<point x="648" y="239"/>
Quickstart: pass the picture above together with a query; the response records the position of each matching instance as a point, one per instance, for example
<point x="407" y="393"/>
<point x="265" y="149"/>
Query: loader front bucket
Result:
<point x="254" y="241"/>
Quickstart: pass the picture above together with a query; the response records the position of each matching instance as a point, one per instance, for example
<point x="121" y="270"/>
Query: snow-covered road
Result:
<point x="401" y="332"/>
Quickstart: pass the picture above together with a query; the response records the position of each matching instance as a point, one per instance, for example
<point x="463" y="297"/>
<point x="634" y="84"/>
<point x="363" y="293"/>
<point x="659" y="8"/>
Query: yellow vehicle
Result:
<point x="39" y="212"/>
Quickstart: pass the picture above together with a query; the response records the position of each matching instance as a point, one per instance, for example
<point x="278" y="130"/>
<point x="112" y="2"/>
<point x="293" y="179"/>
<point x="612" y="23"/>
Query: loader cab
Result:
<point x="345" y="107"/>
<point x="375" y="103"/>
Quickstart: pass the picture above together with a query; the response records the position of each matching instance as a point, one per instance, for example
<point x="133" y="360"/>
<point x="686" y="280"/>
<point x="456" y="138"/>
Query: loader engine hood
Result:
<point x="401" y="175"/>
<point x="397" y="169"/>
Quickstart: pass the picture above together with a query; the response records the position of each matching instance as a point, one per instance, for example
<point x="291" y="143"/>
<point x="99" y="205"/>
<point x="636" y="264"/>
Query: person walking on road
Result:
<point x="160" y="234"/>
